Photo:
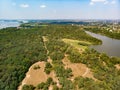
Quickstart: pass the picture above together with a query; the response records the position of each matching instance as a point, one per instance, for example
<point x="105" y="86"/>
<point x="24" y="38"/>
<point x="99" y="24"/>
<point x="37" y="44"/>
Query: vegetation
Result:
<point x="36" y="67"/>
<point x="77" y="44"/>
<point x="45" y="86"/>
<point x="103" y="67"/>
<point x="28" y="87"/>
<point x="41" y="85"/>
<point x="20" y="48"/>
<point x="83" y="44"/>
<point x="48" y="68"/>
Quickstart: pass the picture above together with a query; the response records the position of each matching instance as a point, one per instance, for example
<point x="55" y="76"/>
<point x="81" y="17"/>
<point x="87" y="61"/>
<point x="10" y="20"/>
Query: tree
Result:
<point x="28" y="87"/>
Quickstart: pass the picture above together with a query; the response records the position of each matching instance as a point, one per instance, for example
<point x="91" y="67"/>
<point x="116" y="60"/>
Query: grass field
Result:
<point x="77" y="44"/>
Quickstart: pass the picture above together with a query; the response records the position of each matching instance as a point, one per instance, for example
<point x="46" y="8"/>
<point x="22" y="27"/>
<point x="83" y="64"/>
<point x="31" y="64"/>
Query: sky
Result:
<point x="59" y="9"/>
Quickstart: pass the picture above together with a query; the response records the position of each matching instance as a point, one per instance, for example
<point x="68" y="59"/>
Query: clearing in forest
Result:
<point x="36" y="76"/>
<point x="78" y="69"/>
<point x="77" y="44"/>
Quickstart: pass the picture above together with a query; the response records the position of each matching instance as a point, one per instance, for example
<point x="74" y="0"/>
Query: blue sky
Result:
<point x="59" y="9"/>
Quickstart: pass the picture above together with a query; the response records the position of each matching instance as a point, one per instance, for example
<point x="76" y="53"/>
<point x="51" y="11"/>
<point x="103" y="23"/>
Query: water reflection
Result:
<point x="109" y="46"/>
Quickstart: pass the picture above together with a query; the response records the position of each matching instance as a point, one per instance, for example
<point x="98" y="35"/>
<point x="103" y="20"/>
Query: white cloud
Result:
<point x="106" y="2"/>
<point x="113" y="2"/>
<point x="43" y="6"/>
<point x="24" y="5"/>
<point x="98" y="0"/>
<point x="92" y="2"/>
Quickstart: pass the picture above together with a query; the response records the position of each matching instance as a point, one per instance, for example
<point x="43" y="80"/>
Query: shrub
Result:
<point x="36" y="67"/>
<point x="28" y="87"/>
<point x="41" y="85"/>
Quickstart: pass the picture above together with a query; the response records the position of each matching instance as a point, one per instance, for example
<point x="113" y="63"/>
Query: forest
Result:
<point x="20" y="48"/>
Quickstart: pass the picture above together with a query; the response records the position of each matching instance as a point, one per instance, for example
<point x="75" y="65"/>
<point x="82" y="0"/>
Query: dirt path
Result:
<point x="45" y="40"/>
<point x="34" y="77"/>
<point x="86" y="72"/>
<point x="50" y="60"/>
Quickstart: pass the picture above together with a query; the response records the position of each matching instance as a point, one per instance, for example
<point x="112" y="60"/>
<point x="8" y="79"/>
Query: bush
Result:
<point x="28" y="87"/>
<point x="49" y="80"/>
<point x="48" y="68"/>
<point x="55" y="87"/>
<point x="36" y="67"/>
<point x="83" y="44"/>
<point x="48" y="65"/>
<point x="41" y="85"/>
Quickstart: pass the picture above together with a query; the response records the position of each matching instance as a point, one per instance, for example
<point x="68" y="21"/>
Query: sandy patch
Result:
<point x="117" y="66"/>
<point x="51" y="87"/>
<point x="49" y="60"/>
<point x="44" y="39"/>
<point x="78" y="69"/>
<point x="34" y="77"/>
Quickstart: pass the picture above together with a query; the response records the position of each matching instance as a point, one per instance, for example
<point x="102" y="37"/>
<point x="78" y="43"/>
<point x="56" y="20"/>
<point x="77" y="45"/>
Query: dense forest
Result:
<point x="20" y="48"/>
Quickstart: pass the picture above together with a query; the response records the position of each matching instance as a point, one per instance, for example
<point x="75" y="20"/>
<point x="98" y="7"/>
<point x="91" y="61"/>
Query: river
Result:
<point x="4" y="24"/>
<point x="109" y="46"/>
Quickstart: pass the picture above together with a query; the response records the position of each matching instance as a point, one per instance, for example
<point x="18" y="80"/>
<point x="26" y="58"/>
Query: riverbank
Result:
<point x="109" y="46"/>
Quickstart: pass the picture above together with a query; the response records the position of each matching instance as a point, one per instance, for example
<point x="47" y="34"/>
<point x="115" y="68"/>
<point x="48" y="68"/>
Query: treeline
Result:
<point x="71" y="32"/>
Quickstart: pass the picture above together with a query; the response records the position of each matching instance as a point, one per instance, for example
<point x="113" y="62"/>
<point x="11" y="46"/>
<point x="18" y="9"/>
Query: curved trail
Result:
<point x="86" y="72"/>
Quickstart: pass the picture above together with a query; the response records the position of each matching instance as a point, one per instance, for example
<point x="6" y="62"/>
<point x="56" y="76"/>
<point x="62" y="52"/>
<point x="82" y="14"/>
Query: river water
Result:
<point x="4" y="24"/>
<point x="109" y="46"/>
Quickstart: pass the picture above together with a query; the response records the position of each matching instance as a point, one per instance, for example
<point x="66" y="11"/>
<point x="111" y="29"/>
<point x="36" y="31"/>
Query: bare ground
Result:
<point x="44" y="38"/>
<point x="34" y="77"/>
<point x="117" y="66"/>
<point x="78" y="69"/>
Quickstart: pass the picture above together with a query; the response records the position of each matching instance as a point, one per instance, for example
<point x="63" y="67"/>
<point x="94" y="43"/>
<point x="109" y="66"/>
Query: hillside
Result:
<point x="54" y="57"/>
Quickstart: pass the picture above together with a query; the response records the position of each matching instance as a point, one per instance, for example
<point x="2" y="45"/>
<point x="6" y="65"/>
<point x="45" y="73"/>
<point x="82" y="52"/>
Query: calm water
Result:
<point x="109" y="46"/>
<point x="4" y="24"/>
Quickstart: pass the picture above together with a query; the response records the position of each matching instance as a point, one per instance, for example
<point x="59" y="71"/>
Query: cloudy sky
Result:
<point x="59" y="9"/>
